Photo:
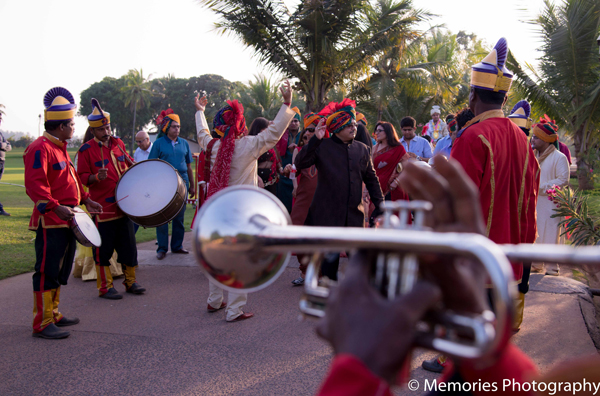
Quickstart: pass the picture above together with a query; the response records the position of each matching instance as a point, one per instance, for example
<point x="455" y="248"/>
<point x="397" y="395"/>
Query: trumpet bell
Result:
<point x="226" y="243"/>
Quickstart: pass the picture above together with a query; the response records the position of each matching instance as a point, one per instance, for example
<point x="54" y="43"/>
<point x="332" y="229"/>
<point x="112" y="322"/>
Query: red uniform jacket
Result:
<point x="50" y="181"/>
<point x="348" y="376"/>
<point x="89" y="161"/>
<point x="497" y="157"/>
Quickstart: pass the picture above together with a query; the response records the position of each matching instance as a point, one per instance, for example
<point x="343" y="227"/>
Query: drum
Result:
<point x="84" y="229"/>
<point x="151" y="193"/>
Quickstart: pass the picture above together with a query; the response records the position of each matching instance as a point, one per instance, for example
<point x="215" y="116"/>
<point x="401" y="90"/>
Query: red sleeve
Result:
<point x="37" y="185"/>
<point x="348" y="376"/>
<point x="84" y="168"/>
<point x="512" y="368"/>
<point x="530" y="206"/>
<point x="471" y="155"/>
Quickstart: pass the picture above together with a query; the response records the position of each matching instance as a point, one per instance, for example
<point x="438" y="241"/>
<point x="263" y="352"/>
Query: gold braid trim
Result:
<point x="492" y="183"/>
<point x="521" y="193"/>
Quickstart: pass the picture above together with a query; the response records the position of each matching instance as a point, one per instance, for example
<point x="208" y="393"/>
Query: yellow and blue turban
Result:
<point x="360" y="117"/>
<point x="164" y="120"/>
<point x="491" y="74"/>
<point x="311" y="118"/>
<point x="98" y="118"/>
<point x="298" y="115"/>
<point x="520" y="115"/>
<point x="339" y="115"/>
<point x="59" y="105"/>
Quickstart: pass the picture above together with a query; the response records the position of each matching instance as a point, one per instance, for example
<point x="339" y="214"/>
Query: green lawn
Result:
<point x="594" y="196"/>
<point x="17" y="253"/>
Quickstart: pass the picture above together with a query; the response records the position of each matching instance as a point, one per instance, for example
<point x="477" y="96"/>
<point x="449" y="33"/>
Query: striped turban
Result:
<point x="547" y="131"/>
<point x="339" y="115"/>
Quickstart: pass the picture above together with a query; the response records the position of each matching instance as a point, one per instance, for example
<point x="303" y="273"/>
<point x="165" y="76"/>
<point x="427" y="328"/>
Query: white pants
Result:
<point x="235" y="303"/>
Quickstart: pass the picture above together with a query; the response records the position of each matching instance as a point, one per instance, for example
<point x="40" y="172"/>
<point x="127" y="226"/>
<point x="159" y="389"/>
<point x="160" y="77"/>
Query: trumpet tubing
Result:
<point x="243" y="240"/>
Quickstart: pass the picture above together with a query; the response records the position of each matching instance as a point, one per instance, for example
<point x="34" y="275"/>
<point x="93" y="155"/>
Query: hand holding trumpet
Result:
<point x="361" y="322"/>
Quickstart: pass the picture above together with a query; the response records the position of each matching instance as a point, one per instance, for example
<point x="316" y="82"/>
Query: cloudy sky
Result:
<point x="74" y="43"/>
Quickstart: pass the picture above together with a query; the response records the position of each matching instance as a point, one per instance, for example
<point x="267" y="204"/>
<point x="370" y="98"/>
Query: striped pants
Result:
<point x="54" y="251"/>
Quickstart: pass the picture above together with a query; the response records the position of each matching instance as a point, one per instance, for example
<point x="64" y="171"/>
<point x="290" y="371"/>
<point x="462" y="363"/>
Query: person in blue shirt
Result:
<point x="416" y="147"/>
<point x="176" y="151"/>
<point x="444" y="144"/>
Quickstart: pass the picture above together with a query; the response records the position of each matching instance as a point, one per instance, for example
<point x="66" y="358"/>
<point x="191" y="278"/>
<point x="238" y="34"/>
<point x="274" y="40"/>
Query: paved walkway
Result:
<point x="165" y="343"/>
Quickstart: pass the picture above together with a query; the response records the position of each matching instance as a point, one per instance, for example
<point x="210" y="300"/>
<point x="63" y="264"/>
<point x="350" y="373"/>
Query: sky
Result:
<point x="75" y="43"/>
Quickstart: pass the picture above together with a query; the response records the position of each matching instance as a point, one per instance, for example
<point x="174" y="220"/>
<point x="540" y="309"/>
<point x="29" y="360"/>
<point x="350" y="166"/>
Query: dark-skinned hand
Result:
<point x="379" y="332"/>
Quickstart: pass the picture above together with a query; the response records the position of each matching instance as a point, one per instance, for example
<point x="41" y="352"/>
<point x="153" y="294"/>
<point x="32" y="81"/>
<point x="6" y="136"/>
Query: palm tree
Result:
<point x="567" y="85"/>
<point x="321" y="43"/>
<point x="433" y="68"/>
<point x="136" y="94"/>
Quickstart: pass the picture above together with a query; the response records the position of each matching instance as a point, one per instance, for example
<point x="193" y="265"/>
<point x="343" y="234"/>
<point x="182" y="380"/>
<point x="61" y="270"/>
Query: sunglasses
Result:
<point x="310" y="129"/>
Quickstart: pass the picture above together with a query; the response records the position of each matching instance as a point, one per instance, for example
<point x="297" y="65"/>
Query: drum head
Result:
<point x="87" y="227"/>
<point x="149" y="187"/>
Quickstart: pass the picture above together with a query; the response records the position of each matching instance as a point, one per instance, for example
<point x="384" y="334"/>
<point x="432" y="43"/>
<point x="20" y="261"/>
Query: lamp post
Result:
<point x="40" y="125"/>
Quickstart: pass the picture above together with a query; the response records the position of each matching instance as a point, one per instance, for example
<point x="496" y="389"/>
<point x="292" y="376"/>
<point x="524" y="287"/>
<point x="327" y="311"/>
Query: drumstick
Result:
<point x="117" y="201"/>
<point x="101" y="212"/>
<point x="125" y="155"/>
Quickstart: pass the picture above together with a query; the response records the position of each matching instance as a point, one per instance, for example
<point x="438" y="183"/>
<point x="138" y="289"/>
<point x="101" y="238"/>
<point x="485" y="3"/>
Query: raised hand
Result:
<point x="320" y="129"/>
<point x="286" y="92"/>
<point x="200" y="102"/>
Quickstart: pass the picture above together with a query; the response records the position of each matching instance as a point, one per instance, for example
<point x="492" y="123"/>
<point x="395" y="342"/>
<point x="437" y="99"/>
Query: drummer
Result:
<point x="101" y="163"/>
<point x="53" y="185"/>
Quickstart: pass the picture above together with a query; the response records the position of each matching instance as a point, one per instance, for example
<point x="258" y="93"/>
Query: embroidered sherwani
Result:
<point x="495" y="154"/>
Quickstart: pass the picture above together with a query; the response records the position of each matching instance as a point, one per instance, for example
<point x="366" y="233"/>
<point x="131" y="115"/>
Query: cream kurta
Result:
<point x="243" y="172"/>
<point x="244" y="168"/>
<point x="554" y="170"/>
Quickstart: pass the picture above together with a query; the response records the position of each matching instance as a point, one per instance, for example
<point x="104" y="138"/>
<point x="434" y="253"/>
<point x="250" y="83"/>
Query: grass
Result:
<point x="594" y="196"/>
<point x="17" y="254"/>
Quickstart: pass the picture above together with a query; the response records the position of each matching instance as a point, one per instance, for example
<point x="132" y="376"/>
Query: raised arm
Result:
<point x="202" y="129"/>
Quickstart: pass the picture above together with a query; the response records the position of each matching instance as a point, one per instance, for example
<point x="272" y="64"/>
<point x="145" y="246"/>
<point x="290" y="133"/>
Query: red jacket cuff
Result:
<point x="348" y="376"/>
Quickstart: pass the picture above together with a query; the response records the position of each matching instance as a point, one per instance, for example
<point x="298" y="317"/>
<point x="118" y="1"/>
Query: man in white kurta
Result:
<point x="243" y="172"/>
<point x="554" y="171"/>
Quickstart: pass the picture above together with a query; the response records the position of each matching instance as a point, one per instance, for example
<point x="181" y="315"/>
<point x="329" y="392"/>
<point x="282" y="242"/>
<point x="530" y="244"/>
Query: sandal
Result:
<point x="298" y="282"/>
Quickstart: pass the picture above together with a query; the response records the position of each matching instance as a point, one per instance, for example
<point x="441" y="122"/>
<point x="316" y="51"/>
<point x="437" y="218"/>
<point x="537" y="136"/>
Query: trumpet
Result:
<point x="243" y="241"/>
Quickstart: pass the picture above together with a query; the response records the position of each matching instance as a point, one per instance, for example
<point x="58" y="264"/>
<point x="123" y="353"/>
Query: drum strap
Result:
<point x="207" y="158"/>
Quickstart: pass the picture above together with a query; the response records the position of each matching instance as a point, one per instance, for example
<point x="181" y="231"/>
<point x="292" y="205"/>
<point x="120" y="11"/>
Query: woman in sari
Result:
<point x="387" y="154"/>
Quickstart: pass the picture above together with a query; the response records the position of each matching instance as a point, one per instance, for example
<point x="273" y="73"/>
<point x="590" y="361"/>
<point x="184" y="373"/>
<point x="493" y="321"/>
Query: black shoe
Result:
<point x="52" y="332"/>
<point x="161" y="255"/>
<point x="432" y="365"/>
<point x="4" y="213"/>
<point x="135" y="289"/>
<point x="67" y="322"/>
<point x="112" y="294"/>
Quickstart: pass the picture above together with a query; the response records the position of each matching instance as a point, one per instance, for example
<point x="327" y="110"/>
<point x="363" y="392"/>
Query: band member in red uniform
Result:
<point x="54" y="187"/>
<point x="101" y="163"/>
<point x="496" y="155"/>
<point x="372" y="336"/>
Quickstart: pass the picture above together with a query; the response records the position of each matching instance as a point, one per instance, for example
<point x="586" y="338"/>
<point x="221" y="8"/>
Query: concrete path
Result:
<point x="165" y="343"/>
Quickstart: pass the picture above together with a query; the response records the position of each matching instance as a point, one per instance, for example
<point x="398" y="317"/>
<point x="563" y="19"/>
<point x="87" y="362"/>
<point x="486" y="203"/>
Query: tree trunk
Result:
<point x="583" y="170"/>
<point x="133" y="130"/>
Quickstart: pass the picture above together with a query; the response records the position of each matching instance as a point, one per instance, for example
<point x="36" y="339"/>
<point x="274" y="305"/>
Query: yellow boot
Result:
<point x="55" y="301"/>
<point x="42" y="310"/>
<point x="104" y="282"/>
<point x="131" y="286"/>
<point x="519" y="310"/>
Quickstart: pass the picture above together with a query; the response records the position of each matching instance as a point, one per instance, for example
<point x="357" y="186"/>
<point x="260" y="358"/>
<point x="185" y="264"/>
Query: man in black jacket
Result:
<point x="343" y="165"/>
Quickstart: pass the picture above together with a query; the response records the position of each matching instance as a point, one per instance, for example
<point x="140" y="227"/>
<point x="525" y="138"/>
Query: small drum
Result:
<point x="84" y="229"/>
<point x="151" y="193"/>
